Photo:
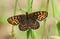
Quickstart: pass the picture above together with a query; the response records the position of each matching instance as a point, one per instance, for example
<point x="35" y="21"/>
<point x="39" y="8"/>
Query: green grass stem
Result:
<point x="44" y="23"/>
<point x="41" y="5"/>
<point x="54" y="7"/>
<point x="48" y="35"/>
<point x="21" y="9"/>
<point x="15" y="7"/>
<point x="14" y="13"/>
<point x="29" y="5"/>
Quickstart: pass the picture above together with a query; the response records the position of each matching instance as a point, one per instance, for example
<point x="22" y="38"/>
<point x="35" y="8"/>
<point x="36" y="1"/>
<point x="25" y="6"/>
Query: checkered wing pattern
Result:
<point x="14" y="20"/>
<point x="39" y="15"/>
<point x="28" y="21"/>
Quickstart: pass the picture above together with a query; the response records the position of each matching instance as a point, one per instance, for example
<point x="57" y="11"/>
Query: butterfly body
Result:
<point x="28" y="21"/>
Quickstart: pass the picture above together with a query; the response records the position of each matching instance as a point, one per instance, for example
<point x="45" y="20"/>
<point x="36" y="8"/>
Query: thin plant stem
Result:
<point x="20" y="8"/>
<point x="15" y="7"/>
<point x="14" y="13"/>
<point x="33" y="34"/>
<point x="48" y="33"/>
<point x="41" y="6"/>
<point x="29" y="34"/>
<point x="42" y="30"/>
<point x="47" y="4"/>
<point x="29" y="5"/>
<point x="54" y="7"/>
<point x="43" y="26"/>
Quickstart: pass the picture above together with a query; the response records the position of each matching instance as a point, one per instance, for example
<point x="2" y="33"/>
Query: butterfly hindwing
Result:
<point x="33" y="24"/>
<point x="23" y="27"/>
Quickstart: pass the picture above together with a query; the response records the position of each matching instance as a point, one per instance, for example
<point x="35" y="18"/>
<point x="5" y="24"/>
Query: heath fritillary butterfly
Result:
<point x="28" y="21"/>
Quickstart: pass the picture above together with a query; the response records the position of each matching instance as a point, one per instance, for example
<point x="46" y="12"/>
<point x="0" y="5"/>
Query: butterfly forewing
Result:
<point x="39" y="15"/>
<point x="14" y="20"/>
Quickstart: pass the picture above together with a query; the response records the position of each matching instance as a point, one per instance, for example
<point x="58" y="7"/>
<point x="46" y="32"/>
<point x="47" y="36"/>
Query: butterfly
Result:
<point x="28" y="21"/>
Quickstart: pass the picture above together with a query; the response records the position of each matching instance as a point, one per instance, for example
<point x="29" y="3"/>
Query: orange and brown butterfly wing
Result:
<point x="23" y="26"/>
<point x="19" y="19"/>
<point x="33" y="24"/>
<point x="39" y="15"/>
<point x="42" y="15"/>
<point x="34" y="16"/>
<point x="14" y="20"/>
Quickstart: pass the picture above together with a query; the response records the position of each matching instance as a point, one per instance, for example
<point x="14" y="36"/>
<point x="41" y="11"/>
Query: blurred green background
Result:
<point x="51" y="29"/>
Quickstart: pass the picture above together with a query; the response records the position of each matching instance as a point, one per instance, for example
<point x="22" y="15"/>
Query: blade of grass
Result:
<point x="2" y="13"/>
<point x="29" y="5"/>
<point x="42" y="30"/>
<point x="33" y="34"/>
<point x="41" y="6"/>
<point x="20" y="8"/>
<point x="58" y="26"/>
<point x="47" y="4"/>
<point x="48" y="35"/>
<point x="54" y="10"/>
<point x="43" y="26"/>
<point x="14" y="13"/>
<point x="54" y="7"/>
<point x="29" y="34"/>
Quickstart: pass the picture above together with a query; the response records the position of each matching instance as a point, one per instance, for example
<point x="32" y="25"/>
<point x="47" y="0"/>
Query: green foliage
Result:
<point x="2" y="13"/>
<point x="58" y="26"/>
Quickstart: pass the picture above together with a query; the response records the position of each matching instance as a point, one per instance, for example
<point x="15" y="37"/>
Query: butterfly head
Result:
<point x="26" y="13"/>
